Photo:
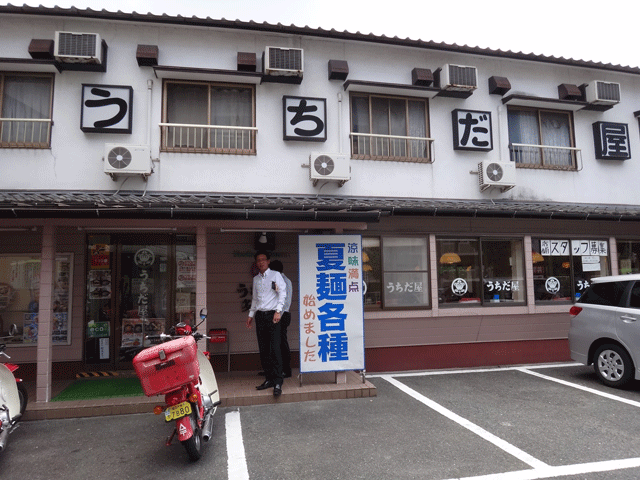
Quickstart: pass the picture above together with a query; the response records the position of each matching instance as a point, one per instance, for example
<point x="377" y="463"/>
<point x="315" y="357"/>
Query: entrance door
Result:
<point x="143" y="291"/>
<point x="137" y="286"/>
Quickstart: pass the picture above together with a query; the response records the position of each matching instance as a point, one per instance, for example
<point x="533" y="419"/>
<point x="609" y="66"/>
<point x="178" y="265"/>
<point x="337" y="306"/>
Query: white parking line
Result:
<point x="236" y="459"/>
<point x="427" y="373"/>
<point x="540" y="469"/>
<point x="552" y="472"/>
<point x="580" y="387"/>
<point x="498" y="442"/>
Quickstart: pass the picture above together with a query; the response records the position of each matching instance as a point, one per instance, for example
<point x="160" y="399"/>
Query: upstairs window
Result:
<point x="25" y="110"/>
<point x="209" y="118"/>
<point x="389" y="128"/>
<point x="542" y="138"/>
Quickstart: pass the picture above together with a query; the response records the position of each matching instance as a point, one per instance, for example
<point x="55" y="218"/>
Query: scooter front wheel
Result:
<point x="193" y="445"/>
<point x="24" y="397"/>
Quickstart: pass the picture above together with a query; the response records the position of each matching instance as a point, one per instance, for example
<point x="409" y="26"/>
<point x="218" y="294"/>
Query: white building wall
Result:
<point x="74" y="161"/>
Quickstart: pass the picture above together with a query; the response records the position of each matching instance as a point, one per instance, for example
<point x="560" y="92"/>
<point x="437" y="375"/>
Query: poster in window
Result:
<point x="60" y="333"/>
<point x="30" y="328"/>
<point x="100" y="284"/>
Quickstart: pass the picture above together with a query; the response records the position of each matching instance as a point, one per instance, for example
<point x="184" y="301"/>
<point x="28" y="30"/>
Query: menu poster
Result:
<point x="30" y="328"/>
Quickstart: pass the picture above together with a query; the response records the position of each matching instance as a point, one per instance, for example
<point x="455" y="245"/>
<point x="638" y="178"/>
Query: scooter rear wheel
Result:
<point x="24" y="397"/>
<point x="193" y="445"/>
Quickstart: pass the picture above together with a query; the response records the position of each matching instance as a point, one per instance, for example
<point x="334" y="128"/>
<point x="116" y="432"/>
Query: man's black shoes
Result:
<point x="277" y="390"/>
<point x="264" y="385"/>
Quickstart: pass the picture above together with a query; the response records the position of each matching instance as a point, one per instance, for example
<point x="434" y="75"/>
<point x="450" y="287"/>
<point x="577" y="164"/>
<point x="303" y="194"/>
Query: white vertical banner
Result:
<point x="331" y="303"/>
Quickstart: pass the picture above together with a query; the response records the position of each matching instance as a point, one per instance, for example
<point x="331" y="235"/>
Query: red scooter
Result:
<point x="183" y="374"/>
<point x="13" y="395"/>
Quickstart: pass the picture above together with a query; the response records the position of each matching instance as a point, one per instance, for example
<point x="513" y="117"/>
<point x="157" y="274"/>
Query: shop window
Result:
<point x="563" y="268"/>
<point x="209" y="118"/>
<point x="186" y="284"/>
<point x="25" y="110"/>
<point x="395" y="272"/>
<point x="372" y="272"/>
<point x="541" y="138"/>
<point x="480" y="271"/>
<point x="405" y="272"/>
<point x="20" y="298"/>
<point x="389" y="128"/>
<point x="628" y="256"/>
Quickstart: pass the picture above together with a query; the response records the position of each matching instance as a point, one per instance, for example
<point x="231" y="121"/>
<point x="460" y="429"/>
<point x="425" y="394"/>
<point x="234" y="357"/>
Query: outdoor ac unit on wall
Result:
<point x="329" y="166"/>
<point x="72" y="47"/>
<point x="501" y="175"/>
<point x="283" y="61"/>
<point x="127" y="160"/>
<point x="603" y="93"/>
<point x="458" y="78"/>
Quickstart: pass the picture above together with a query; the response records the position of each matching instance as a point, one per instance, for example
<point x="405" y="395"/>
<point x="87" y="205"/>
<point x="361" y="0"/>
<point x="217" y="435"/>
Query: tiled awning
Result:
<point x="177" y="205"/>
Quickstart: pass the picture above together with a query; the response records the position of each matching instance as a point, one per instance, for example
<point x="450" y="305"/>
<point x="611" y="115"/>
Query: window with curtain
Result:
<point x="541" y="138"/>
<point x="389" y="128"/>
<point x="209" y="117"/>
<point x="25" y="110"/>
<point x="396" y="272"/>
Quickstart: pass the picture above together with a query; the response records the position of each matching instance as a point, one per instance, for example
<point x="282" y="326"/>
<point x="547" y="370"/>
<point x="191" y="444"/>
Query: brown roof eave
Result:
<point x="308" y="31"/>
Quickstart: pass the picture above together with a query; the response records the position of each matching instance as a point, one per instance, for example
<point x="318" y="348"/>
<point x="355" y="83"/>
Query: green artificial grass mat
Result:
<point x="100" y="388"/>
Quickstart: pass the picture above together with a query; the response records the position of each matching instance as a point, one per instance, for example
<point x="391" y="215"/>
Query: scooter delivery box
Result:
<point x="165" y="367"/>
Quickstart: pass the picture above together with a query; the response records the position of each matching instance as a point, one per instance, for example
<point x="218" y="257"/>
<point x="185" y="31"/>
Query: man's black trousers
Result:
<point x="269" y="335"/>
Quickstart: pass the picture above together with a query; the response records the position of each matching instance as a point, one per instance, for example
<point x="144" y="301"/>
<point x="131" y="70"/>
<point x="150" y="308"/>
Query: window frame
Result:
<point x="573" y="260"/>
<point x="479" y="262"/>
<point x="49" y="120"/>
<point x="542" y="149"/>
<point x="27" y="318"/>
<point x="629" y="253"/>
<point x="167" y="130"/>
<point x="385" y="303"/>
<point x="371" y="138"/>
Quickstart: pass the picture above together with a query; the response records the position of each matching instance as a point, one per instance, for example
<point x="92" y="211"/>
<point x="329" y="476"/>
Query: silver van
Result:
<point x="605" y="328"/>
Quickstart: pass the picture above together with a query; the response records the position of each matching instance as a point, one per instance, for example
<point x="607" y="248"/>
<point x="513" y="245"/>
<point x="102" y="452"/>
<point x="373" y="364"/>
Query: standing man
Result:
<point x="285" y="321"/>
<point x="269" y="294"/>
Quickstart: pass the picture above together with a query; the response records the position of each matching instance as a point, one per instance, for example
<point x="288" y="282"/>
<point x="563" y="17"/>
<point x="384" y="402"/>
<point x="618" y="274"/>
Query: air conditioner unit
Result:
<point x="458" y="78"/>
<point x="72" y="47"/>
<point x="497" y="174"/>
<point x="329" y="166"/>
<point x="283" y="61"/>
<point x="127" y="160"/>
<point x="604" y="93"/>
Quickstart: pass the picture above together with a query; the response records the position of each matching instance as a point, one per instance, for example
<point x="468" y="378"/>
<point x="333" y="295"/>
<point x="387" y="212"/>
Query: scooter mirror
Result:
<point x="203" y="314"/>
<point x="13" y="330"/>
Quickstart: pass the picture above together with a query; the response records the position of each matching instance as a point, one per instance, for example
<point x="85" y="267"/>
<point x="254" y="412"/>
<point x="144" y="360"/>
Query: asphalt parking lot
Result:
<point x="512" y="423"/>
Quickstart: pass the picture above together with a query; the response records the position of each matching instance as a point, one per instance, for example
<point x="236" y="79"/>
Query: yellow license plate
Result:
<point x="177" y="411"/>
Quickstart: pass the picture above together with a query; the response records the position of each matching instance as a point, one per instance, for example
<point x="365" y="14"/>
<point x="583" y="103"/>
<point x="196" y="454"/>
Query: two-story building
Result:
<point x="145" y="158"/>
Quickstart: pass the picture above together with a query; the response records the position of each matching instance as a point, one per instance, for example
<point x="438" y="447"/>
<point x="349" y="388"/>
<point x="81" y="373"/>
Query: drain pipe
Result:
<point x="340" y="122"/>
<point x="149" y="97"/>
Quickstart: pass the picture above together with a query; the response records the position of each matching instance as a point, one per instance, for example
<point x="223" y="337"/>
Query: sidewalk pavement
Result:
<point x="236" y="389"/>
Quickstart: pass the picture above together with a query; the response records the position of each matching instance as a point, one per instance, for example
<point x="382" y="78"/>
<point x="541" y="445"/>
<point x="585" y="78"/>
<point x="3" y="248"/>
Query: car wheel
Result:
<point x="613" y="365"/>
